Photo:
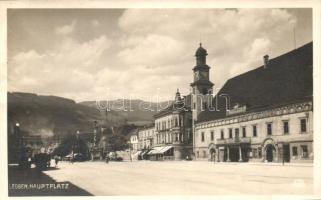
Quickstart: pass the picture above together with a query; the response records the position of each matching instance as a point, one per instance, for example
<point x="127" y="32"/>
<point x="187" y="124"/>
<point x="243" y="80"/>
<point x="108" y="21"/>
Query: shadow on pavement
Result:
<point x="31" y="182"/>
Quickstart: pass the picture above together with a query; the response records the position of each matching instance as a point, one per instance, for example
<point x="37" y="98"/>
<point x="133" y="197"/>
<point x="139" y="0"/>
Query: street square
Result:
<point x="185" y="178"/>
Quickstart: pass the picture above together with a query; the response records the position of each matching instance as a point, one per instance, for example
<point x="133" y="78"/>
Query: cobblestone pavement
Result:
<point x="185" y="178"/>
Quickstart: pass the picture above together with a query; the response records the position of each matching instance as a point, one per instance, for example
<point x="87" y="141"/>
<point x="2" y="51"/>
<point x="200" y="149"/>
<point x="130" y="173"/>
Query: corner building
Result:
<point x="264" y="115"/>
<point x="173" y="131"/>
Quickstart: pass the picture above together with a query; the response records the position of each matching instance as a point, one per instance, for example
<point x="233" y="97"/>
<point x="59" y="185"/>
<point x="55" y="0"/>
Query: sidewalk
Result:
<point x="263" y="164"/>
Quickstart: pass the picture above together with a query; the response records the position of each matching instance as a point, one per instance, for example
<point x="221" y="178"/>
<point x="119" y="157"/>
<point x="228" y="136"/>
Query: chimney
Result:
<point x="266" y="61"/>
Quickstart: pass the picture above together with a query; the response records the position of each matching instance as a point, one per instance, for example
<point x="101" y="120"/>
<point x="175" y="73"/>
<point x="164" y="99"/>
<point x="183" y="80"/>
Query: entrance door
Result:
<point x="269" y="153"/>
<point x="212" y="152"/>
<point x="286" y="152"/>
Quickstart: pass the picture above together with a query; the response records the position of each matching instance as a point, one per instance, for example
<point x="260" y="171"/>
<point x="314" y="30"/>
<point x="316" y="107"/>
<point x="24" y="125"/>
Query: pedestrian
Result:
<point x="107" y="159"/>
<point x="56" y="161"/>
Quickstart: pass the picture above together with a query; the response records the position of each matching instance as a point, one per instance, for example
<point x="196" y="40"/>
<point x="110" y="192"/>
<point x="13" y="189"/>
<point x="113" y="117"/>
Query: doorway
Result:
<point x="212" y="154"/>
<point x="269" y="152"/>
<point x="286" y="152"/>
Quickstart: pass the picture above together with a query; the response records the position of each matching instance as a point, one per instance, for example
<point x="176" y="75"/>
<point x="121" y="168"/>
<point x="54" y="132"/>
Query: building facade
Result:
<point x="173" y="131"/>
<point x="281" y="134"/>
<point x="145" y="141"/>
<point x="265" y="115"/>
<point x="134" y="142"/>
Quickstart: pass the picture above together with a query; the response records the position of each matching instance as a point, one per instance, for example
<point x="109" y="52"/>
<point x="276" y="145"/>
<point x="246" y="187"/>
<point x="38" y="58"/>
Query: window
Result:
<point x="244" y="131"/>
<point x="295" y="151"/>
<point x="204" y="106"/>
<point x="304" y="149"/>
<point x="230" y="133"/>
<point x="194" y="105"/>
<point x="222" y="134"/>
<point x="212" y="135"/>
<point x="303" y="124"/>
<point x="285" y="127"/>
<point x="237" y="133"/>
<point x="203" y="137"/>
<point x="259" y="152"/>
<point x="254" y="131"/>
<point x="254" y="153"/>
<point x="269" y="128"/>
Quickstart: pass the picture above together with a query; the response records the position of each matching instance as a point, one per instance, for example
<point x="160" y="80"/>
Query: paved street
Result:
<point x="184" y="178"/>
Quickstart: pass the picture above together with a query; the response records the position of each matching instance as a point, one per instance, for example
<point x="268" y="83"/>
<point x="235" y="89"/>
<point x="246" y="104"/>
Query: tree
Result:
<point x="116" y="142"/>
<point x="69" y="143"/>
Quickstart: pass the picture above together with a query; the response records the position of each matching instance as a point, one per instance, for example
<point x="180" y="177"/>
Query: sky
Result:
<point x="95" y="54"/>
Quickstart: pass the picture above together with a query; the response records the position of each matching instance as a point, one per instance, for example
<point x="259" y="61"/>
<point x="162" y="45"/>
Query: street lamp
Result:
<point x="18" y="135"/>
<point x="78" y="146"/>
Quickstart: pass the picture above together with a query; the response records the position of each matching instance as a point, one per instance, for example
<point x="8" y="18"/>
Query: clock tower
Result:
<point x="202" y="86"/>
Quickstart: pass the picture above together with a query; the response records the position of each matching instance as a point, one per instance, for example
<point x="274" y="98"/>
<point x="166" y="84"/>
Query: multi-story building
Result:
<point x="173" y="133"/>
<point x="145" y="140"/>
<point x="134" y="140"/>
<point x="262" y="115"/>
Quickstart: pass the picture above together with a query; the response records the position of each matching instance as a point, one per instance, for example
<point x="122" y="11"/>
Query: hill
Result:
<point x="135" y="111"/>
<point x="49" y="115"/>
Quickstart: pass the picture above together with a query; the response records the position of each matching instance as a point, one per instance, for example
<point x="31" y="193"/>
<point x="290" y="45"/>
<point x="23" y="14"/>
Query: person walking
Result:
<point x="56" y="161"/>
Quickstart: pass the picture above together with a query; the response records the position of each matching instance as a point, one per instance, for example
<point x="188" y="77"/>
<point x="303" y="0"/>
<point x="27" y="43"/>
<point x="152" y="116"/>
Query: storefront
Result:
<point x="162" y="153"/>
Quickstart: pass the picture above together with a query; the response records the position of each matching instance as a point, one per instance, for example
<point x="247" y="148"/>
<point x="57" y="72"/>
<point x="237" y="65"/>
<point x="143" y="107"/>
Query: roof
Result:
<point x="286" y="79"/>
<point x="149" y="126"/>
<point x="133" y="132"/>
<point x="201" y="51"/>
<point x="202" y="82"/>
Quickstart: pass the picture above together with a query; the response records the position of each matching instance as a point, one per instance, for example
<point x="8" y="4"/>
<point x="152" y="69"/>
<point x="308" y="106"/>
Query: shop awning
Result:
<point x="144" y="152"/>
<point x="155" y="150"/>
<point x="166" y="148"/>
